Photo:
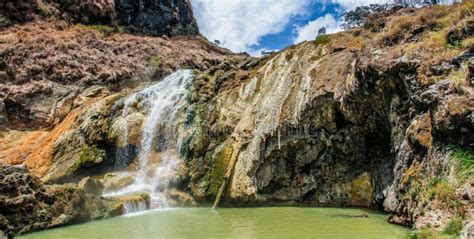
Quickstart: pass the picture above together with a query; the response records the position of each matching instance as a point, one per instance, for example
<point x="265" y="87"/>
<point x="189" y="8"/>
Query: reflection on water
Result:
<point x="239" y="223"/>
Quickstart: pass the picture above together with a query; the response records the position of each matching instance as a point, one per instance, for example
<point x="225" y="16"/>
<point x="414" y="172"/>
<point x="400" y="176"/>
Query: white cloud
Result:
<point x="240" y="24"/>
<point x="310" y="30"/>
<point x="352" y="4"/>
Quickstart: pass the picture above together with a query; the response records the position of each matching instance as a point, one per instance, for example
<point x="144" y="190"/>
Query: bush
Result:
<point x="464" y="159"/>
<point x="396" y="30"/>
<point x="322" y="39"/>
<point x="458" y="78"/>
<point x="44" y="10"/>
<point x="155" y="61"/>
<point x="426" y="233"/>
<point x="430" y="233"/>
<point x="454" y="227"/>
<point x="442" y="192"/>
<point x="4" y="21"/>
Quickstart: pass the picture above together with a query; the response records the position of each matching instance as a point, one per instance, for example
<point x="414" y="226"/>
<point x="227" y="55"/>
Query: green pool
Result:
<point x="275" y="222"/>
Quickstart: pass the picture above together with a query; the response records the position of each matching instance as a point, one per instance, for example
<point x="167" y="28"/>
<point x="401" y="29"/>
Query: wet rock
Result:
<point x="27" y="205"/>
<point x="91" y="186"/>
<point x="114" y="181"/>
<point x="178" y="198"/>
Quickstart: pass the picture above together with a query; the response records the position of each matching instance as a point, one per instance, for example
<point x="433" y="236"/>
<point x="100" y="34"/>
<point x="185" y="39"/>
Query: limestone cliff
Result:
<point x="349" y="119"/>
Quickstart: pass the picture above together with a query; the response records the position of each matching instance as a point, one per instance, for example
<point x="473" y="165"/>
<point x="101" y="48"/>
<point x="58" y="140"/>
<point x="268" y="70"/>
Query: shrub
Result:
<point x="442" y="192"/>
<point x="155" y="61"/>
<point x="431" y="16"/>
<point x="464" y="159"/>
<point x="458" y="78"/>
<point x="4" y="21"/>
<point x="426" y="233"/>
<point x="396" y="30"/>
<point x="454" y="227"/>
<point x="429" y="233"/>
<point x="44" y="10"/>
<point x="374" y="23"/>
<point x="322" y="39"/>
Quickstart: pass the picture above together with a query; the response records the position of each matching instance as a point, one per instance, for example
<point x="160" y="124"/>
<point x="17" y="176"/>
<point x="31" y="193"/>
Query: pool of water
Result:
<point x="275" y="222"/>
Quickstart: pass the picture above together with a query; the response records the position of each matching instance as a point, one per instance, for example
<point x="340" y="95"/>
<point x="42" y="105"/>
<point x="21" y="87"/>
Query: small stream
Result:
<point x="274" y="222"/>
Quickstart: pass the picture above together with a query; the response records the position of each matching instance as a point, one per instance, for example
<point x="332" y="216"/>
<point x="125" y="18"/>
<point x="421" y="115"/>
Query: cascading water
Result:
<point x="134" y="206"/>
<point x="159" y="135"/>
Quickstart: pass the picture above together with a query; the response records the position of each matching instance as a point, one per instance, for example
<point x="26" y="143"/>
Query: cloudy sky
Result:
<point x="255" y="25"/>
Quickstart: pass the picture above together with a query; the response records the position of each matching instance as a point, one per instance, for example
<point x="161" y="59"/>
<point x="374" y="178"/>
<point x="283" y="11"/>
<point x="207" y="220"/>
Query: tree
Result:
<point x="322" y="31"/>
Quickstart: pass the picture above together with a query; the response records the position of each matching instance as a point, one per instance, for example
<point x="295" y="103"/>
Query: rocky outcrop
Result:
<point x="27" y="205"/>
<point x="157" y="17"/>
<point x="145" y="17"/>
<point x="340" y="121"/>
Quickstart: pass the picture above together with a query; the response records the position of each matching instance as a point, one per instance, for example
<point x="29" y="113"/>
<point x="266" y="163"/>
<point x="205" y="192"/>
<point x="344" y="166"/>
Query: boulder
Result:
<point x="27" y="205"/>
<point x="91" y="186"/>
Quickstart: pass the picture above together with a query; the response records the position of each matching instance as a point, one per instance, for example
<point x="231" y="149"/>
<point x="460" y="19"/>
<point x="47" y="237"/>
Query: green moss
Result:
<point x="217" y="176"/>
<point x="464" y="159"/>
<point x="322" y="39"/>
<point x="155" y="61"/>
<point x="454" y="227"/>
<point x="190" y="117"/>
<point x="220" y="163"/>
<point x="89" y="156"/>
<point x="185" y="147"/>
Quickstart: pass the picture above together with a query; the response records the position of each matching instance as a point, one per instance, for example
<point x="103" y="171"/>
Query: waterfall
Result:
<point x="134" y="206"/>
<point x="158" y="140"/>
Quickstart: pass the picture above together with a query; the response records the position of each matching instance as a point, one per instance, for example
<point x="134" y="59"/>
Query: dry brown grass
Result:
<point x="396" y="29"/>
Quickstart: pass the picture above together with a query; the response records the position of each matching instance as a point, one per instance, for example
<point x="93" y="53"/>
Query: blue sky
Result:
<point x="255" y="25"/>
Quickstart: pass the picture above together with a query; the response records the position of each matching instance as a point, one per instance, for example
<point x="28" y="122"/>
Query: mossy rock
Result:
<point x="90" y="156"/>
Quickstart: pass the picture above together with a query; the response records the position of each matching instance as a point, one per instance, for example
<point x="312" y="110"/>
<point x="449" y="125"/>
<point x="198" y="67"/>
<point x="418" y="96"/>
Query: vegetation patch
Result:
<point x="89" y="157"/>
<point x="44" y="10"/>
<point x="322" y="39"/>
<point x="458" y="77"/>
<point x="464" y="159"/>
<point x="155" y="61"/>
<point x="103" y="29"/>
<point x="454" y="227"/>
<point x="4" y="21"/>
<point x="427" y="233"/>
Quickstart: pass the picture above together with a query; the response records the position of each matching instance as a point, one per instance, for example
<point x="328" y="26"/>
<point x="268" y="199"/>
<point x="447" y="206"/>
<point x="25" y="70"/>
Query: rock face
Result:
<point x="171" y="17"/>
<point x="342" y="121"/>
<point x="162" y="17"/>
<point x="27" y="205"/>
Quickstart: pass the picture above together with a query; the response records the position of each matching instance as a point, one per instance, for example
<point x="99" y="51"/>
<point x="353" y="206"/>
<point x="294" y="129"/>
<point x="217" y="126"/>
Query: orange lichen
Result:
<point x="41" y="158"/>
